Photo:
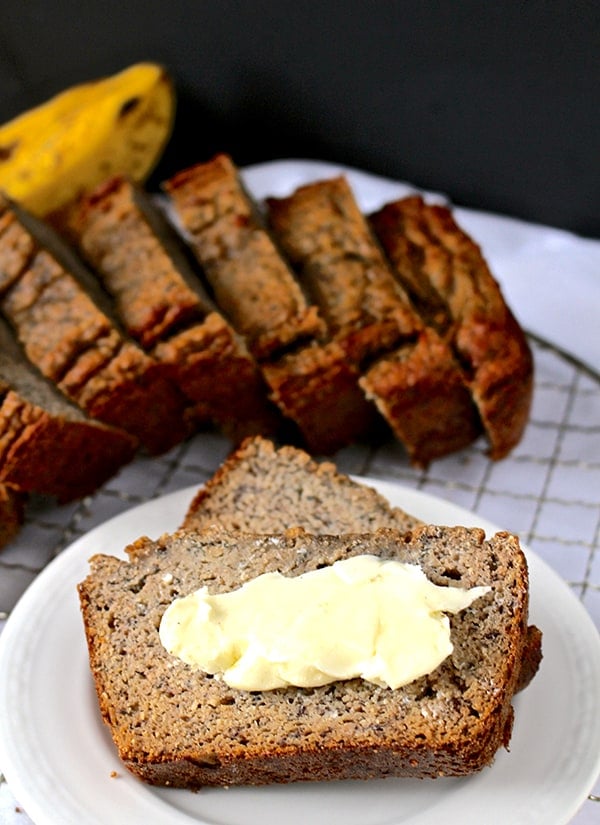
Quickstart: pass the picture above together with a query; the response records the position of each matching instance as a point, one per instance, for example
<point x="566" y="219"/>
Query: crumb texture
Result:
<point x="262" y="488"/>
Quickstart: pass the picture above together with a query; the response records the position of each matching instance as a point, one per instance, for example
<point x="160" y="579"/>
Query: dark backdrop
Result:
<point x="495" y="103"/>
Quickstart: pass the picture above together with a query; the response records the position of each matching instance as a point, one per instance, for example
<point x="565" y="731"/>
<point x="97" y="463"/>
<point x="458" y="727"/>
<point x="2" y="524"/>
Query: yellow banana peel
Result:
<point x="120" y="124"/>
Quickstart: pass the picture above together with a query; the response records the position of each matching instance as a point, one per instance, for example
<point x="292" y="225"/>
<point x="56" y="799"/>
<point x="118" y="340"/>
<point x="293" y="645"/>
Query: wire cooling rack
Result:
<point x="547" y="491"/>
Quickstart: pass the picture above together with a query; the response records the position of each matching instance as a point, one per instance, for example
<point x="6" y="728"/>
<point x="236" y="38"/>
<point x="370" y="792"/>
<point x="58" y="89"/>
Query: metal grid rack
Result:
<point x="547" y="491"/>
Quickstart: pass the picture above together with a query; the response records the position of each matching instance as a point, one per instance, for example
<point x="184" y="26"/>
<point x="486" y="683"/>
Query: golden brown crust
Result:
<point x="422" y="267"/>
<point x="251" y="281"/>
<point x="12" y="503"/>
<point x="317" y="388"/>
<point x="46" y="453"/>
<point x="531" y="657"/>
<point x="162" y="304"/>
<point x="423" y="396"/>
<point x="150" y="295"/>
<point x="452" y="286"/>
<point x="324" y="234"/>
<point x="75" y="344"/>
<point x="213" y="368"/>
<point x="47" y="445"/>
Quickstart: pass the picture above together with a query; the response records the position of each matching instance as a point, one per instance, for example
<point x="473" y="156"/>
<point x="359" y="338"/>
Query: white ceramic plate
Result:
<point x="59" y="760"/>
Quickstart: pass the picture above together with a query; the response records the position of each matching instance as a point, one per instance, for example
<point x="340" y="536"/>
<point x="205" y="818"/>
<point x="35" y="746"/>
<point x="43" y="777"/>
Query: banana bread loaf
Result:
<point x="175" y="725"/>
<point x="67" y="330"/>
<point x="161" y="303"/>
<point x="450" y="281"/>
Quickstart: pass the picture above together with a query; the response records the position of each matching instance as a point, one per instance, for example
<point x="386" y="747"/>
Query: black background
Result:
<point x="494" y="103"/>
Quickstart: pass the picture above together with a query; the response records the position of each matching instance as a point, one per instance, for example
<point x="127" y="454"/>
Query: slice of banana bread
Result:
<point x="47" y="445"/>
<point x="177" y="726"/>
<point x="252" y="283"/>
<point x="161" y="303"/>
<point x="316" y="387"/>
<point x="212" y="365"/>
<point x="421" y="392"/>
<point x="67" y="329"/>
<point x="433" y="256"/>
<point x="262" y="488"/>
<point x="322" y="231"/>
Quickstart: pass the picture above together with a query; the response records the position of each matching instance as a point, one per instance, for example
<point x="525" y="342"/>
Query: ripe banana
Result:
<point x="120" y="124"/>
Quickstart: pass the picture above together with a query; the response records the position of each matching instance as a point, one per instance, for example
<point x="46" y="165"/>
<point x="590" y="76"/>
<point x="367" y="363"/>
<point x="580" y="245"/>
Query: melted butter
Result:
<point x="366" y="617"/>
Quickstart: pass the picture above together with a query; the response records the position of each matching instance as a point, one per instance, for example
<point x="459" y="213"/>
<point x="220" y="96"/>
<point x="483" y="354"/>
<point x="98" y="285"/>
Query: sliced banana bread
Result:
<point x="420" y="391"/>
<point x="316" y="387"/>
<point x="411" y="374"/>
<point x="450" y="281"/>
<point x="47" y="445"/>
<point x="174" y="725"/>
<point x="309" y="379"/>
<point x="213" y="367"/>
<point x="262" y="488"/>
<point x="322" y="231"/>
<point x="252" y="283"/>
<point x="67" y="329"/>
<point x="161" y="303"/>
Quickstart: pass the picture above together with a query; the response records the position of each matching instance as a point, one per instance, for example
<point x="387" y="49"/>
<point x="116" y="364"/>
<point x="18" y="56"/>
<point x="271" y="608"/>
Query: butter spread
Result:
<point x="367" y="617"/>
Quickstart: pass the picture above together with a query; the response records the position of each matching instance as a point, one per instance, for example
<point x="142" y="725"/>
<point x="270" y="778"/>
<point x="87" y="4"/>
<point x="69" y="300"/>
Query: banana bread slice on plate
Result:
<point x="176" y="725"/>
<point x="262" y="488"/>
